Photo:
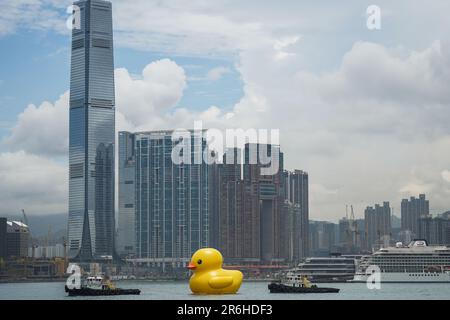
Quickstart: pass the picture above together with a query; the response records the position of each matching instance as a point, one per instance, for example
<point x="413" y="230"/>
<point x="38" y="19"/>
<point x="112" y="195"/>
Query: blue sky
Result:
<point x="365" y="112"/>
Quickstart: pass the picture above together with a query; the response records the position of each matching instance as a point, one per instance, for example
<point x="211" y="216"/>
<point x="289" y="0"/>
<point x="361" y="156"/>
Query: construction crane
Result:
<point x="348" y="235"/>
<point x="354" y="226"/>
<point x="66" y="264"/>
<point x="25" y="219"/>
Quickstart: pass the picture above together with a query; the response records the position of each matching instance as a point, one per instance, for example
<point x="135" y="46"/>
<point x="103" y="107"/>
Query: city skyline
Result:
<point x="394" y="136"/>
<point x="225" y="151"/>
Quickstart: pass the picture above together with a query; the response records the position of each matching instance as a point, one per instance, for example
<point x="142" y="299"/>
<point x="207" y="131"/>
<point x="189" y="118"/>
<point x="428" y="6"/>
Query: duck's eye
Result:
<point x="199" y="261"/>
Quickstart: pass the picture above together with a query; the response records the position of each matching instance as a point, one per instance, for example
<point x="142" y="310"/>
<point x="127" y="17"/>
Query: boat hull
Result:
<point x="104" y="292"/>
<point x="281" y="288"/>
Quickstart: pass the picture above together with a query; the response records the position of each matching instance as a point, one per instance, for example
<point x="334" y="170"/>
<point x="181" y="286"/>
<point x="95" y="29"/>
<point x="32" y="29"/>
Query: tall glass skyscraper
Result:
<point x="163" y="206"/>
<point x="92" y="129"/>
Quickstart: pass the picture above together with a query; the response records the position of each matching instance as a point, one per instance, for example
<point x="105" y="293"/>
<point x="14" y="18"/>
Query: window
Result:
<point x="76" y="170"/>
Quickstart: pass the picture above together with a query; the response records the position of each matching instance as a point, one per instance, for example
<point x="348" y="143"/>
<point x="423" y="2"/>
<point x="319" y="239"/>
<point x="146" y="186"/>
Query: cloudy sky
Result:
<point x="365" y="112"/>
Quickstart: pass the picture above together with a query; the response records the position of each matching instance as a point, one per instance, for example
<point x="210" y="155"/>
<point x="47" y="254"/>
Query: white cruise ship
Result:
<point x="416" y="262"/>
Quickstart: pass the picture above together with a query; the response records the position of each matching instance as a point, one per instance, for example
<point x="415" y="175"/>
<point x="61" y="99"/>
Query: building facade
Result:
<point x="126" y="231"/>
<point x="3" y="228"/>
<point x="436" y="230"/>
<point x="411" y="211"/>
<point x="91" y="221"/>
<point x="322" y="238"/>
<point x="231" y="200"/>
<point x="377" y="224"/>
<point x="296" y="186"/>
<point x="17" y="238"/>
<point x="292" y="235"/>
<point x="250" y="220"/>
<point x="169" y="201"/>
<point x="264" y="201"/>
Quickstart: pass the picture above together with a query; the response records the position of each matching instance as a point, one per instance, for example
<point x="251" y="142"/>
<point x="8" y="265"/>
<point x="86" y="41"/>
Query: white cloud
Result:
<point x="144" y="100"/>
<point x="42" y="129"/>
<point x="217" y="73"/>
<point x="32" y="182"/>
<point x="281" y="46"/>
<point x="446" y="175"/>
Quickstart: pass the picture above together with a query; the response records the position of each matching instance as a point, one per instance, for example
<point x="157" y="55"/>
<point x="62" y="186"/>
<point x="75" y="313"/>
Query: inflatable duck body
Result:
<point x="209" y="277"/>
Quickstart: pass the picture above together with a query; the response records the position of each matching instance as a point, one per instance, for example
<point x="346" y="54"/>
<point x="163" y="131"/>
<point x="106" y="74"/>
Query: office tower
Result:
<point x="377" y="224"/>
<point x="91" y="139"/>
<point x="126" y="235"/>
<point x="3" y="229"/>
<point x="436" y="230"/>
<point x="17" y="237"/>
<point x="264" y="201"/>
<point x="171" y="201"/>
<point x="412" y="210"/>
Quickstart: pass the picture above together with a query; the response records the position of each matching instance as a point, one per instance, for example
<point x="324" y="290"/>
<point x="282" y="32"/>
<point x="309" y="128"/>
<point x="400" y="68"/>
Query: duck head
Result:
<point x="205" y="259"/>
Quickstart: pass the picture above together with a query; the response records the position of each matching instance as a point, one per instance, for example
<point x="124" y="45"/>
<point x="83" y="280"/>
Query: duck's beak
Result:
<point x="191" y="266"/>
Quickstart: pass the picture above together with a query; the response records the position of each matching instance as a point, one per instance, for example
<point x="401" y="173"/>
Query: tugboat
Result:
<point x="99" y="286"/>
<point x="296" y="283"/>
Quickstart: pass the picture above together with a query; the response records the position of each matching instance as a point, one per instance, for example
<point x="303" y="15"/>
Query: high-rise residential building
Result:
<point x="346" y="240"/>
<point x="296" y="188"/>
<point x="91" y="221"/>
<point x="126" y="234"/>
<point x="314" y="230"/>
<point x="169" y="201"/>
<point x="291" y="234"/>
<point x="3" y="228"/>
<point x="329" y="236"/>
<point x="17" y="237"/>
<point x="231" y="199"/>
<point x="250" y="216"/>
<point x="412" y="210"/>
<point x="377" y="224"/>
<point x="264" y="201"/>
<point x="436" y="230"/>
<point x="360" y="236"/>
<point x="322" y="238"/>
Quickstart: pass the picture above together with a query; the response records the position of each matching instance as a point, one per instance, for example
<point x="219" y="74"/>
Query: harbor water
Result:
<point x="179" y="290"/>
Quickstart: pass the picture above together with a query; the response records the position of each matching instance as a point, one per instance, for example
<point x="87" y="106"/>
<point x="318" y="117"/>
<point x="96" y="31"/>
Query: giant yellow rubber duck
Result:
<point x="209" y="277"/>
